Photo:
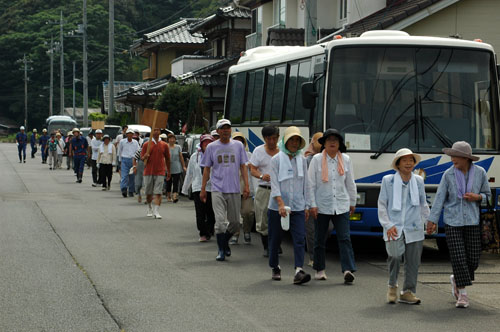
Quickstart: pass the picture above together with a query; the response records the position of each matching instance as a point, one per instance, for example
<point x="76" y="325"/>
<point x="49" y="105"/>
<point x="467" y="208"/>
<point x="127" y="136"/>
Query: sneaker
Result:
<point x="301" y="278"/>
<point x="203" y="239"/>
<point x="124" y="193"/>
<point x="247" y="237"/>
<point x="348" y="277"/>
<point x="94" y="184"/>
<point x="233" y="240"/>
<point x="150" y="212"/>
<point x="320" y="275"/>
<point x="392" y="294"/>
<point x="104" y="189"/>
<point x="276" y="274"/>
<point x="454" y="290"/>
<point x="156" y="214"/>
<point x="311" y="263"/>
<point x="463" y="301"/>
<point x="409" y="298"/>
<point x="130" y="194"/>
<point x="108" y="188"/>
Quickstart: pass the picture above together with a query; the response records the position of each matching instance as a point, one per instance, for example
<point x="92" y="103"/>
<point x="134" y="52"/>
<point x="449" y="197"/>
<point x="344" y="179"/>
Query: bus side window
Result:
<point x="316" y="116"/>
<point x="255" y="90"/>
<point x="236" y="97"/>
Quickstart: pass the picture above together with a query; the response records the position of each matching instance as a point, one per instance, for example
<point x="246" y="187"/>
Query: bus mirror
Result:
<point x="309" y="95"/>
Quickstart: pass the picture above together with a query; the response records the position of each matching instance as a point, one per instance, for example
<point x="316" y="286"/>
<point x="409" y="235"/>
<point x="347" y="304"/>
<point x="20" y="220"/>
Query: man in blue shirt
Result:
<point x="78" y="150"/>
<point x="43" y="145"/>
<point x="22" y="141"/>
<point x="33" y="143"/>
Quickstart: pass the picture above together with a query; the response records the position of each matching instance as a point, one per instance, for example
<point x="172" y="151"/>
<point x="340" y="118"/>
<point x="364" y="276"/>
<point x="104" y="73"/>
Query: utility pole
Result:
<point x="74" y="82"/>
<point x="85" y="73"/>
<point x="51" y="98"/>
<point x="61" y="71"/>
<point x="25" y="62"/>
<point x="111" y="64"/>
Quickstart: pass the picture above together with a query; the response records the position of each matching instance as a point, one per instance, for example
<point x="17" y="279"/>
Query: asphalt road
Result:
<point x="74" y="258"/>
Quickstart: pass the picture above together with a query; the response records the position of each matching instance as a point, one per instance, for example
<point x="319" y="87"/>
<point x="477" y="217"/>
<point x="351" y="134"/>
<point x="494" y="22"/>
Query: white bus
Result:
<point x="383" y="90"/>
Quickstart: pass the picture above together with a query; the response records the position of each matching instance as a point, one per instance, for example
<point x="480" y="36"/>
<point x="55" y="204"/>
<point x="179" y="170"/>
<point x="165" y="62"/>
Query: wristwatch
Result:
<point x="261" y="176"/>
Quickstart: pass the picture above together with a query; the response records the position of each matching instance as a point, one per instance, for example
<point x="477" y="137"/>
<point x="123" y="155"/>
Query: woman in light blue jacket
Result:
<point x="402" y="211"/>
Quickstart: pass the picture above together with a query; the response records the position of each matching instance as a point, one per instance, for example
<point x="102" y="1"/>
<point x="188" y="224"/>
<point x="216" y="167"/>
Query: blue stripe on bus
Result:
<point x="253" y="140"/>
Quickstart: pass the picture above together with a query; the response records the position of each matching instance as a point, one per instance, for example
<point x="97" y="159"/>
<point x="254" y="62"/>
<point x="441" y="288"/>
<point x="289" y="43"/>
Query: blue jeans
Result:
<point x="298" y="231"/>
<point x="79" y="165"/>
<point x="341" y="225"/>
<point x="127" y="180"/>
<point x="21" y="148"/>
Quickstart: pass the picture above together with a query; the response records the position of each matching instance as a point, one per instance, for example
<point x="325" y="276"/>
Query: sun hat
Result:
<point x="163" y="136"/>
<point x="404" y="152"/>
<point x="70" y="133"/>
<point x="74" y="129"/>
<point x="294" y="131"/>
<point x="333" y="132"/>
<point x="98" y="131"/>
<point x="460" y="149"/>
<point x="214" y="133"/>
<point x="222" y="122"/>
<point x="206" y="137"/>
<point x="239" y="134"/>
<point x="58" y="134"/>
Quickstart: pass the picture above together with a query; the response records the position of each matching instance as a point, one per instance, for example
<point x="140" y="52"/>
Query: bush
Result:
<point x="97" y="117"/>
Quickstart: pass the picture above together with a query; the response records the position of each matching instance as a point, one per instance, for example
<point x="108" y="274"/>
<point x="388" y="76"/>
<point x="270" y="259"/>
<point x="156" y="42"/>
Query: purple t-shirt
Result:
<point x="225" y="161"/>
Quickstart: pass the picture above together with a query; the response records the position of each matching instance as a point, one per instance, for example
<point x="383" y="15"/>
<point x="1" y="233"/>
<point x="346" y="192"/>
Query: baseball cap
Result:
<point x="214" y="133"/>
<point x="129" y="131"/>
<point x="222" y="122"/>
<point x="98" y="131"/>
<point x="22" y="128"/>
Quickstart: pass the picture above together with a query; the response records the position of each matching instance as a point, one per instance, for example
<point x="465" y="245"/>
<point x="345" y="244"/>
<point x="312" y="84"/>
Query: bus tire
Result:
<point x="442" y="245"/>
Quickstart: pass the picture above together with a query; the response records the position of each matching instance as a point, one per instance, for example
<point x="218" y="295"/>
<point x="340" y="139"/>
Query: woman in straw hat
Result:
<point x="461" y="190"/>
<point x="289" y="188"/>
<point x="402" y="210"/>
<point x="333" y="198"/>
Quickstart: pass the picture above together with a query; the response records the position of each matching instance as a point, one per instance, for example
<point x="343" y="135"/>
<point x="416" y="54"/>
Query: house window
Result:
<point x="279" y="13"/>
<point x="343" y="9"/>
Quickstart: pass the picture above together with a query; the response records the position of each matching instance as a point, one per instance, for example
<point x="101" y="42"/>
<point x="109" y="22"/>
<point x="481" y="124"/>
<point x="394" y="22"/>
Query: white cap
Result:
<point x="163" y="136"/>
<point x="129" y="131"/>
<point x="98" y="131"/>
<point x="214" y="133"/>
<point x="22" y="128"/>
<point x="222" y="122"/>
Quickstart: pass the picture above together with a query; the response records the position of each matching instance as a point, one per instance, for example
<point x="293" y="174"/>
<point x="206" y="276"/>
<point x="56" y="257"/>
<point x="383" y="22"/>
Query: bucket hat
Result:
<point x="206" y="137"/>
<point x="460" y="149"/>
<point x="333" y="132"/>
<point x="74" y="129"/>
<point x="294" y="131"/>
<point x="239" y="134"/>
<point x="404" y="152"/>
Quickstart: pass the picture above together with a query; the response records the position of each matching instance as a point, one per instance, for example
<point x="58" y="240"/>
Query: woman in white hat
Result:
<point x="289" y="189"/>
<point x="461" y="190"/>
<point x="402" y="210"/>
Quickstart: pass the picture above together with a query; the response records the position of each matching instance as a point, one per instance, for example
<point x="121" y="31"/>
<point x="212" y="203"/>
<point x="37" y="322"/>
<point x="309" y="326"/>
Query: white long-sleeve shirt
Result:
<point x="194" y="176"/>
<point x="127" y="149"/>
<point x="336" y="195"/>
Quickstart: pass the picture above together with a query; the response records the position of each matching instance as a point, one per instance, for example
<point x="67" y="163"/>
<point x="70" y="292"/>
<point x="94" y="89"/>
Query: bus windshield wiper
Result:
<point x="393" y="139"/>
<point x="442" y="137"/>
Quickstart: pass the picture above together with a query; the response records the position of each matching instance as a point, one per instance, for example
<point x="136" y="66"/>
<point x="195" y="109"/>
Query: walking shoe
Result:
<point x="150" y="211"/>
<point x="247" y="237"/>
<point x="392" y="294"/>
<point x="94" y="184"/>
<point x="139" y="198"/>
<point x="320" y="275"/>
<point x="233" y="240"/>
<point x="203" y="239"/>
<point x="454" y="289"/>
<point x="221" y="243"/>
<point x="156" y="214"/>
<point x="175" y="197"/>
<point x="124" y="193"/>
<point x="108" y="187"/>
<point x="130" y="194"/>
<point x="463" y="301"/>
<point x="311" y="263"/>
<point x="276" y="275"/>
<point x="348" y="277"/>
<point x="409" y="298"/>
<point x="104" y="189"/>
<point x="227" y="250"/>
<point x="50" y="168"/>
<point x="301" y="278"/>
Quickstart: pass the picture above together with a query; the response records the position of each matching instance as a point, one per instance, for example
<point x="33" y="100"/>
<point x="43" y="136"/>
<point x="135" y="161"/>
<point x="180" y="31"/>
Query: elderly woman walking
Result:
<point x="289" y="189"/>
<point x="402" y="210"/>
<point x="333" y="197"/>
<point x="461" y="190"/>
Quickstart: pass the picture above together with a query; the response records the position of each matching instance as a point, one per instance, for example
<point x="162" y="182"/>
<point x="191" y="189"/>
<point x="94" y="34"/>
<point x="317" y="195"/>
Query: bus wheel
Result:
<point x="442" y="245"/>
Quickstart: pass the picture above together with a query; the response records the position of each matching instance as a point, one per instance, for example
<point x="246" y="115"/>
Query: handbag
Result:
<point x="488" y="222"/>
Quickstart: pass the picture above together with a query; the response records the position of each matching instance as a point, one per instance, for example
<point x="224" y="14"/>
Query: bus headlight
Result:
<point x="361" y="198"/>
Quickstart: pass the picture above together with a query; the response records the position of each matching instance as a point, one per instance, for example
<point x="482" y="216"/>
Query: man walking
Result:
<point x="22" y="141"/>
<point x="95" y="144"/>
<point x="33" y="143"/>
<point x="156" y="156"/>
<point x="227" y="158"/>
<point x="126" y="152"/>
<point x="43" y="145"/>
<point x="78" y="150"/>
<point x="260" y="167"/>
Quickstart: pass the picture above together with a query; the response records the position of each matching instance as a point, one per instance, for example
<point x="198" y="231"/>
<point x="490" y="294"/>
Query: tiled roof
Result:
<point x="207" y="80"/>
<point x="285" y="37"/>
<point x="221" y="15"/>
<point x="388" y="16"/>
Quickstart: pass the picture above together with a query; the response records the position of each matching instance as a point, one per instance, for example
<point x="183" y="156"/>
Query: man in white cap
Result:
<point x="222" y="162"/>
<point x="22" y="141"/>
<point x="126" y="152"/>
<point x="215" y="134"/>
<point x="95" y="144"/>
<point x="33" y="143"/>
<point x="78" y="150"/>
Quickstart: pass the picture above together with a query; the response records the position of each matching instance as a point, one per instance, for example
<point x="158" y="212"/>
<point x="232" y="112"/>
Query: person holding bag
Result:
<point x="289" y="189"/>
<point x="402" y="211"/>
<point x="461" y="190"/>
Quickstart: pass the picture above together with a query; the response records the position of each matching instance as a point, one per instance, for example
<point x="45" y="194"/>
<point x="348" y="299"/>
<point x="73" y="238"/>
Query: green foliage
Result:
<point x="184" y="104"/>
<point x="97" y="117"/>
<point x="24" y="30"/>
<point x="120" y="119"/>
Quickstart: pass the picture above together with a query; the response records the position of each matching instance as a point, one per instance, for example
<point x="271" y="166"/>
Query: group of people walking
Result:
<point x="285" y="189"/>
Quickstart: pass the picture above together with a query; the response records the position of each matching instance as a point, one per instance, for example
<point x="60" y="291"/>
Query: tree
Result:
<point x="184" y="104"/>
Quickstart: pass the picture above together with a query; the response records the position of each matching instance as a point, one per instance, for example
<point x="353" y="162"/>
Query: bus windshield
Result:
<point x="63" y="125"/>
<point x="423" y="98"/>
